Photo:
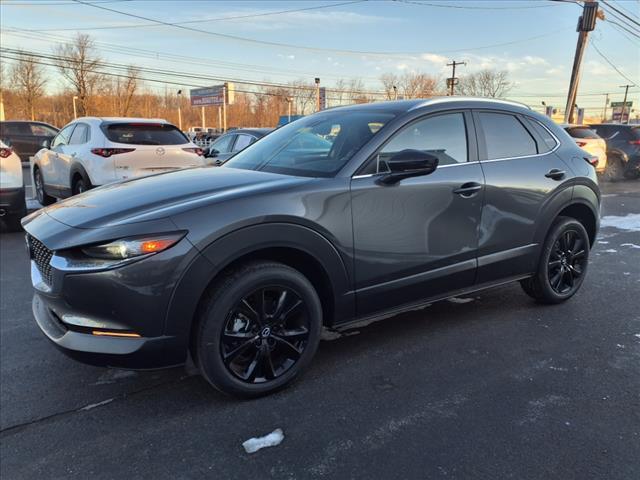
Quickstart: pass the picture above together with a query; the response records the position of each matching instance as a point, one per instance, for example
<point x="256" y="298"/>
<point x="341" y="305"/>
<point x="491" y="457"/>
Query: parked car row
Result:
<point x="26" y="137"/>
<point x="12" y="198"/>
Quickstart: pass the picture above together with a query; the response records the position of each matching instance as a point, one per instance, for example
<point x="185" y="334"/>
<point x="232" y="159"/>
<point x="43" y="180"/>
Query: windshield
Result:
<point x="315" y="146"/>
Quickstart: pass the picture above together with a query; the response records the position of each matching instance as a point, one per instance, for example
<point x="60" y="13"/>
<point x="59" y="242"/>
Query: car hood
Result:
<point x="163" y="195"/>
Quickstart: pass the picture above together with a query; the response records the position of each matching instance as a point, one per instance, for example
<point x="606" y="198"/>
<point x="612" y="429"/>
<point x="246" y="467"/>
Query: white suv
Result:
<point x="91" y="151"/>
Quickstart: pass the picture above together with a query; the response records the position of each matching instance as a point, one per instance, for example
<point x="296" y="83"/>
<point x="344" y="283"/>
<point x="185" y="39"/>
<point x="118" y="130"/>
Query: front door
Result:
<point x="418" y="238"/>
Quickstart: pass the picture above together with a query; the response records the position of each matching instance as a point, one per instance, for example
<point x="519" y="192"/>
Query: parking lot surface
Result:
<point x="488" y="386"/>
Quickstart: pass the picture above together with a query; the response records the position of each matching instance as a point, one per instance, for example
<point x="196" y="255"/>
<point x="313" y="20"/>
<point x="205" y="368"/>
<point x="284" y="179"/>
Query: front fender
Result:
<point x="219" y="254"/>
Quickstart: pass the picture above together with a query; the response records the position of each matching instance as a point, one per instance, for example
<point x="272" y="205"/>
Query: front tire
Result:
<point x="258" y="329"/>
<point x="562" y="265"/>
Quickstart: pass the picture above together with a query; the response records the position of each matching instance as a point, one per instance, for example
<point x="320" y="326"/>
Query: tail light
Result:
<point x="196" y="150"/>
<point x="593" y="160"/>
<point x="634" y="142"/>
<point x="107" y="152"/>
<point x="5" y="152"/>
<point x="581" y="144"/>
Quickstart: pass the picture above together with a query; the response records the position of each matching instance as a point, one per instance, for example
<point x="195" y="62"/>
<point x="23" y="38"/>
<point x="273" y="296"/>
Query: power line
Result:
<point x="301" y="47"/>
<point x="204" y="20"/>
<point x="621" y="13"/>
<point x="470" y="7"/>
<point x="610" y="63"/>
<point x="625" y="23"/>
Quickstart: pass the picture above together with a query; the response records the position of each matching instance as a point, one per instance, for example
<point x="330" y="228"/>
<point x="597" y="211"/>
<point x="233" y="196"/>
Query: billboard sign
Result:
<point x="616" y="111"/>
<point x="202" y="97"/>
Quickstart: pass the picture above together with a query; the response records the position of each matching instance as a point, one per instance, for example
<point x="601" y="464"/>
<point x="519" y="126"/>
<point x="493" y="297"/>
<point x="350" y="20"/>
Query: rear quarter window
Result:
<point x="144" y="134"/>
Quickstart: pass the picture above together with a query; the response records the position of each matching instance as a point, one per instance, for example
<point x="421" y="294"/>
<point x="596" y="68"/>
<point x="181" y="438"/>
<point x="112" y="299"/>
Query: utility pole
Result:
<point x="225" y="86"/>
<point x="395" y="92"/>
<point x="586" y="24"/>
<point x="452" y="80"/>
<point x="624" y="103"/>
<point x="604" y="112"/>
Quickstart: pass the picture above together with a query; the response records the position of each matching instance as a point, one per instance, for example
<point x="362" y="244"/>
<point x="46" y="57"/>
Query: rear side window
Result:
<point x="144" y="134"/>
<point x="505" y="136"/>
<point x="80" y="135"/>
<point x="223" y="144"/>
<point x="581" y="132"/>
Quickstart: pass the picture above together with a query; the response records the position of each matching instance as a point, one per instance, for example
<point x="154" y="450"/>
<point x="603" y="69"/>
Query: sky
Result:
<point x="534" y="40"/>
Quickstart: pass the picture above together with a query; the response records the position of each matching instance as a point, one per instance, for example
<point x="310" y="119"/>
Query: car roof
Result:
<point x="617" y="125"/>
<point x="403" y="106"/>
<point x="119" y="120"/>
<point x="574" y="125"/>
<point x="29" y="121"/>
<point x="257" y="131"/>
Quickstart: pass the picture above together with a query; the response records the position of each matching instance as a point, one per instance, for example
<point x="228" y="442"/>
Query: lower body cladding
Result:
<point x="119" y="317"/>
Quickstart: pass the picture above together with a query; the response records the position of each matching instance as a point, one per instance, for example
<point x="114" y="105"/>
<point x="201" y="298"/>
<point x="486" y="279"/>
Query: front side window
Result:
<point x="444" y="136"/>
<point x="242" y="142"/>
<point x="63" y="136"/>
<point x="144" y="134"/>
<point x="79" y="135"/>
<point x="315" y="146"/>
<point x="505" y="136"/>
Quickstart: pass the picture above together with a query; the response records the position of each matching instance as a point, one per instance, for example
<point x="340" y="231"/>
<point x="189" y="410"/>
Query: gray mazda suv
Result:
<point x="238" y="268"/>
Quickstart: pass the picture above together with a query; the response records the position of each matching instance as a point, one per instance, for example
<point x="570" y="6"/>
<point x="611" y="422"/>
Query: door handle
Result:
<point x="555" y="174"/>
<point x="468" y="189"/>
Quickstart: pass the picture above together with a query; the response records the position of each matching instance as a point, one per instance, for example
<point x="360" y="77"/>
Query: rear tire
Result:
<point x="614" y="170"/>
<point x="258" y="329"/>
<point x="38" y="185"/>
<point x="80" y="185"/>
<point x="562" y="265"/>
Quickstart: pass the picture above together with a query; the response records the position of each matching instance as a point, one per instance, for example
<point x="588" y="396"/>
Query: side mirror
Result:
<point x="46" y="143"/>
<point x="409" y="163"/>
<point x="211" y="153"/>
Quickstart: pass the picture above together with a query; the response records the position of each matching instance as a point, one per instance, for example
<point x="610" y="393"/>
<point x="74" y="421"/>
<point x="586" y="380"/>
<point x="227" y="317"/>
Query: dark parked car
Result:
<point x="623" y="148"/>
<point x="26" y="137"/>
<point x="240" y="267"/>
<point x="227" y="145"/>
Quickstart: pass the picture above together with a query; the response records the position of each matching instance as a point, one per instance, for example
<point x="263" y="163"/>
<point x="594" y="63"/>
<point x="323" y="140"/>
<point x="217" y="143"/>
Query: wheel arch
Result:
<point x="75" y="170"/>
<point x="294" y="245"/>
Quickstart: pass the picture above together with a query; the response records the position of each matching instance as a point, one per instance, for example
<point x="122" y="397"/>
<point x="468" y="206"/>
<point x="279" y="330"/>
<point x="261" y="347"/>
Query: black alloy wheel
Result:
<point x="566" y="262"/>
<point x="265" y="334"/>
<point x="562" y="264"/>
<point x="258" y="328"/>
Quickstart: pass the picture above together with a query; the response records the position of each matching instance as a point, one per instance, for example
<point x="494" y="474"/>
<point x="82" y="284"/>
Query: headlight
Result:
<point x="133" y="247"/>
<point x="113" y="254"/>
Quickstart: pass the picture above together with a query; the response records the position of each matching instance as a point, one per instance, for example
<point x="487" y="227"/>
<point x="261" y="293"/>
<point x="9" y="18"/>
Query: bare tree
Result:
<point x="485" y="83"/>
<point x="418" y="85"/>
<point x="390" y="84"/>
<point x="78" y="63"/>
<point x="28" y="80"/>
<point x="125" y="89"/>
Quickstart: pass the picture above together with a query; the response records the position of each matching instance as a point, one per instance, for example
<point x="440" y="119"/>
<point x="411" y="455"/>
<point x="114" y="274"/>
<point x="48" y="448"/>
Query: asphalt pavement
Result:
<point x="490" y="386"/>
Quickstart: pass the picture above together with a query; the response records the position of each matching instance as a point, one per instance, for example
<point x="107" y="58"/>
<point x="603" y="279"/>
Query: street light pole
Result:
<point x="624" y="103"/>
<point x="604" y="112"/>
<point x="317" y="80"/>
<point x="75" y="111"/>
<point x="395" y="92"/>
<point x="179" y="110"/>
<point x="289" y="109"/>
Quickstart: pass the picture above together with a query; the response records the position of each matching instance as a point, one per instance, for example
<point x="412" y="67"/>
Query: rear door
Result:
<point x="522" y="173"/>
<point x="145" y="148"/>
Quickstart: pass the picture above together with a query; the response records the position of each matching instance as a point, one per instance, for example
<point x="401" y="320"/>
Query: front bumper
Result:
<point x="135" y="353"/>
<point x="12" y="200"/>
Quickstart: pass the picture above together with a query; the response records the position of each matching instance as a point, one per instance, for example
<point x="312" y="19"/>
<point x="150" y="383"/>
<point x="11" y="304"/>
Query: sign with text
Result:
<point x="202" y="97"/>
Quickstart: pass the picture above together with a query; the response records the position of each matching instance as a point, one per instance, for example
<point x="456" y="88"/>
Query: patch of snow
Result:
<point x="637" y="335"/>
<point x="628" y="222"/>
<point x="619" y="345"/>
<point x="603" y="242"/>
<point x="610" y="250"/>
<point x="99" y="404"/>
<point x="459" y="300"/>
<point x="271" y="440"/>
<point x="626" y="273"/>
<point x="632" y="245"/>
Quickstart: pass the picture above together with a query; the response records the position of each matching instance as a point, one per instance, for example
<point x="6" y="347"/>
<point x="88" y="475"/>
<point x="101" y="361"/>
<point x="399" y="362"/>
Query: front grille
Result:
<point x="42" y="256"/>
